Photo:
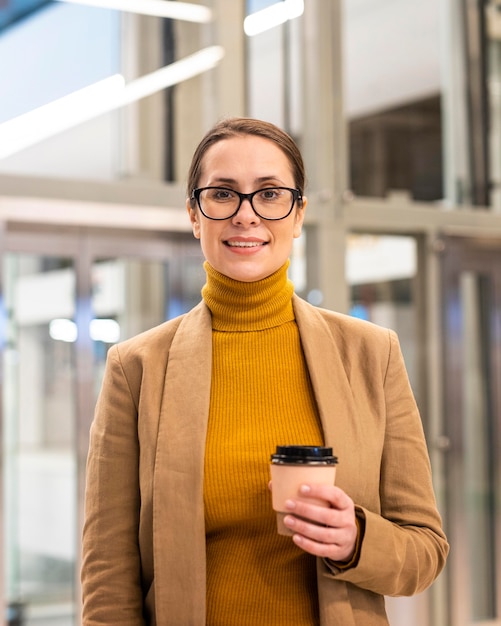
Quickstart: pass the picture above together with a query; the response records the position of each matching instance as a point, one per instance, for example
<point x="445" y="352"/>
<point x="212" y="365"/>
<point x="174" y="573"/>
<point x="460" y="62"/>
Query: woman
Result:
<point x="179" y="527"/>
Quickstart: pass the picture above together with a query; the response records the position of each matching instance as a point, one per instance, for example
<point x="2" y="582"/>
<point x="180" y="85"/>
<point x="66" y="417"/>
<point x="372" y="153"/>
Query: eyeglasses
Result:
<point x="271" y="203"/>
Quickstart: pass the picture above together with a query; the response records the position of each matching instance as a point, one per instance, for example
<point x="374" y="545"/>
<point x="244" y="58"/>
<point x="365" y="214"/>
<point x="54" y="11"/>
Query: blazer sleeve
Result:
<point x="111" y="579"/>
<point x="403" y="548"/>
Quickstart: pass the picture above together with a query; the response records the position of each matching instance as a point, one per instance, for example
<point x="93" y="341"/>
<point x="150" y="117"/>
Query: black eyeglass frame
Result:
<point x="297" y="196"/>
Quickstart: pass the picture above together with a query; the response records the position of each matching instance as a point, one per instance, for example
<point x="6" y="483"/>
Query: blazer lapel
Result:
<point x="322" y="343"/>
<point x="179" y="548"/>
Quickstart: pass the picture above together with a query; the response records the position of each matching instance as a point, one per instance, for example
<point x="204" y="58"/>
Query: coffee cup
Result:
<point x="293" y="466"/>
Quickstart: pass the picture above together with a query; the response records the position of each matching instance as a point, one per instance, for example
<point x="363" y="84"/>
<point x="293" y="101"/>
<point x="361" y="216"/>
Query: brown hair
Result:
<point x="235" y="126"/>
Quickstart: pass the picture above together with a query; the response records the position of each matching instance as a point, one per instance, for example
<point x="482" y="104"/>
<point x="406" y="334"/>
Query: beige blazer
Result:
<point x="144" y="537"/>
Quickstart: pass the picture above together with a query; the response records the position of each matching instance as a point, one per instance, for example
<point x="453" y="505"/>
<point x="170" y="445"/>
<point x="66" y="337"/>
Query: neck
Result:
<point x="242" y="306"/>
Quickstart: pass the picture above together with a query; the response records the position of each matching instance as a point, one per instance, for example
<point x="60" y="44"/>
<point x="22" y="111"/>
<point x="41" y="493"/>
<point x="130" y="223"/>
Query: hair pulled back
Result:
<point x="238" y="126"/>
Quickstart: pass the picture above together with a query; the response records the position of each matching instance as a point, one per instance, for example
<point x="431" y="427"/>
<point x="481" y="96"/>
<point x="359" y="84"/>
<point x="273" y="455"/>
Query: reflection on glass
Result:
<point x="39" y="461"/>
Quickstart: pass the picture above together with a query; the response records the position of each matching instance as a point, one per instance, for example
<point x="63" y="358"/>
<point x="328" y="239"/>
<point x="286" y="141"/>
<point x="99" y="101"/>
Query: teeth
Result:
<point x="244" y="244"/>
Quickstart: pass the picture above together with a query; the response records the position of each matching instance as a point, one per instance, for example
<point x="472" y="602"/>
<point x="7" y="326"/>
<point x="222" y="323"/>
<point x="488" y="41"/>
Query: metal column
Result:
<point x="325" y="150"/>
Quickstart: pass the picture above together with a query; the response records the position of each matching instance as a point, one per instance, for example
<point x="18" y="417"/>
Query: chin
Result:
<point x="251" y="276"/>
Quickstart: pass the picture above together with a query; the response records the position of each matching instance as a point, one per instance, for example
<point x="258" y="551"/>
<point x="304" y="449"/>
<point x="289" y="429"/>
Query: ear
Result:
<point x="194" y="219"/>
<point x="298" y="224"/>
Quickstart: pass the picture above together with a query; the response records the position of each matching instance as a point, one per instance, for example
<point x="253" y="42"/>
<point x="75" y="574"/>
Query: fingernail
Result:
<point x="290" y="504"/>
<point x="305" y="489"/>
<point x="289" y="520"/>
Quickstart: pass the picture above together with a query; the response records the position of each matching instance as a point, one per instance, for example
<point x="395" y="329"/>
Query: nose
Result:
<point x="245" y="214"/>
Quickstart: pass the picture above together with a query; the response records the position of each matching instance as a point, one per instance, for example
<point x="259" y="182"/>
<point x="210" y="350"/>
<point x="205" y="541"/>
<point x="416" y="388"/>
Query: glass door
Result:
<point x="38" y="447"/>
<point x="472" y="411"/>
<point x="382" y="271"/>
<point x="67" y="297"/>
<point x="137" y="285"/>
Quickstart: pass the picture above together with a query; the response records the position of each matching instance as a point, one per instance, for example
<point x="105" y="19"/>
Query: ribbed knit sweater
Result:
<point x="261" y="396"/>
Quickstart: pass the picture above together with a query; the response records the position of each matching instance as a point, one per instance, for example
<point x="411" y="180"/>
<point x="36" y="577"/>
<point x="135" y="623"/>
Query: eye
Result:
<point x="270" y="195"/>
<point x="218" y="194"/>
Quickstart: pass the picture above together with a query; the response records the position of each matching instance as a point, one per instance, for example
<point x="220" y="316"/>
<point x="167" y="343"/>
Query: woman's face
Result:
<point x="246" y="163"/>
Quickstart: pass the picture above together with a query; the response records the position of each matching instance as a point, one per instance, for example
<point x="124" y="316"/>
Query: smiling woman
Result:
<point x="179" y="526"/>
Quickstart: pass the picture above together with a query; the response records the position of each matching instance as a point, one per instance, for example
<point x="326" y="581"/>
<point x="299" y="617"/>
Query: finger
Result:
<point x="321" y="515"/>
<point x="312" y="529"/>
<point x="323" y="550"/>
<point x="321" y="541"/>
<point x="335" y="496"/>
<point x="319" y="519"/>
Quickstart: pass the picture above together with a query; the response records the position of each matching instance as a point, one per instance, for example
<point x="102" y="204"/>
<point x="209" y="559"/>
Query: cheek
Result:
<point x="208" y="233"/>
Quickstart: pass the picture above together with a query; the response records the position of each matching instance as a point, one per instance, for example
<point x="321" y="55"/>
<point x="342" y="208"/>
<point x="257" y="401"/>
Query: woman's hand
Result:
<point x="332" y="531"/>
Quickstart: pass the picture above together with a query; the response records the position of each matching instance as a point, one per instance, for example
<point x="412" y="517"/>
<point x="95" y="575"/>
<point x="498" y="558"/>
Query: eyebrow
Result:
<point x="260" y="180"/>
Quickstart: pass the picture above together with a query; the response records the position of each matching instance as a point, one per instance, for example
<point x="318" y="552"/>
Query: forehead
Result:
<point x="245" y="155"/>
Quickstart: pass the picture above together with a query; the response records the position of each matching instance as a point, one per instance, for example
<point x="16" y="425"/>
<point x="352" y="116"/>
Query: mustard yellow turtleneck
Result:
<point x="261" y="396"/>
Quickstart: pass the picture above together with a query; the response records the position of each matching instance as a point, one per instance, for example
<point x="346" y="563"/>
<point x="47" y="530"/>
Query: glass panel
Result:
<point x="393" y="75"/>
<point x="39" y="458"/>
<point x="471" y="292"/>
<point x="380" y="271"/>
<point x="14" y="11"/>
<point x="493" y="18"/>
<point x="478" y="453"/>
<point x="62" y="63"/>
<point x="274" y="67"/>
<point x="132" y="295"/>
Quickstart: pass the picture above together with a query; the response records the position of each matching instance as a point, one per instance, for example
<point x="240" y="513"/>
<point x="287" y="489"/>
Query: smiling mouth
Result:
<point x="245" y="244"/>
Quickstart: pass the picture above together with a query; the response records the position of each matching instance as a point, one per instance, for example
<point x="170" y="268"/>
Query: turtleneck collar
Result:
<point x="242" y="306"/>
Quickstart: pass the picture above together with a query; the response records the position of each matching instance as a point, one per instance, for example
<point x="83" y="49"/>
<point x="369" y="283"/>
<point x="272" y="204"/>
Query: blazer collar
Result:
<point x="328" y="351"/>
<point x="327" y="371"/>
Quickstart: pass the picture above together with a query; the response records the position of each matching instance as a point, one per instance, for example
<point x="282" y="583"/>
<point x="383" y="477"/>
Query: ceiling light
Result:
<point x="177" y="72"/>
<point x="63" y="330"/>
<point x="272" y="16"/>
<point x="48" y="120"/>
<point x="101" y="97"/>
<point x="161" y="8"/>
<point x="106" y="330"/>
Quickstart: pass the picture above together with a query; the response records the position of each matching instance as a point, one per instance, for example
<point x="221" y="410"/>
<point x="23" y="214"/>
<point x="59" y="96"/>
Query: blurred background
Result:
<point x="396" y="105"/>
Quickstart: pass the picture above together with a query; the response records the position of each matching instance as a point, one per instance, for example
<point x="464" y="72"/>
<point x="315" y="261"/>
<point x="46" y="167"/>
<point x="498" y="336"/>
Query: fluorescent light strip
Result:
<point x="177" y="72"/>
<point x="106" y="95"/>
<point x="272" y="16"/>
<point x="160" y="8"/>
<point x="57" y="116"/>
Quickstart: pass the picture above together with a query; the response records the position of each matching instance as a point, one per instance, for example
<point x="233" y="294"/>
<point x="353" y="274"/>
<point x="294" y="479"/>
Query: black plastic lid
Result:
<point x="304" y="454"/>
